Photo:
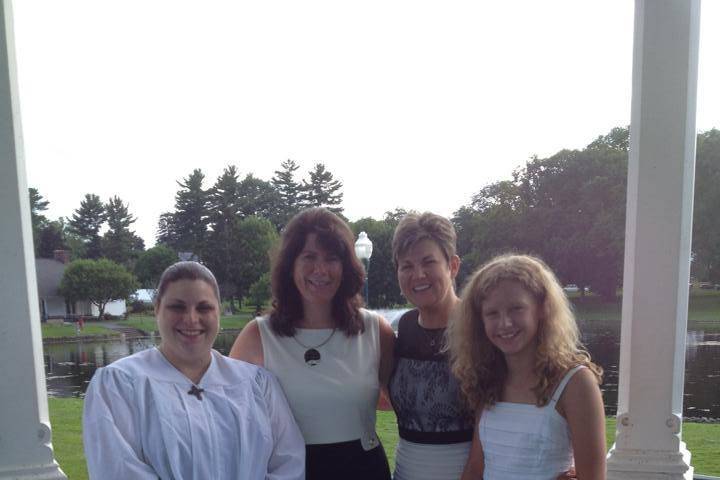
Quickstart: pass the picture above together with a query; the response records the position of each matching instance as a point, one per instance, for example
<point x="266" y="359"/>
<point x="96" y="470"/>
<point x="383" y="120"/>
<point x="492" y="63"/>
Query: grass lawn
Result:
<point x="56" y="331"/>
<point x="703" y="440"/>
<point x="703" y="311"/>
<point x="147" y="323"/>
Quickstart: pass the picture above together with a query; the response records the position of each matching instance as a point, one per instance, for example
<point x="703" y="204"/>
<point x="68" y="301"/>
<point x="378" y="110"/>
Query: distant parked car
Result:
<point x="706" y="286"/>
<point x="571" y="288"/>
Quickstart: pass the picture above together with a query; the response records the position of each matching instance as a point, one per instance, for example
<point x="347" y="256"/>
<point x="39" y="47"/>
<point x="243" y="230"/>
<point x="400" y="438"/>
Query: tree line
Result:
<point x="568" y="208"/>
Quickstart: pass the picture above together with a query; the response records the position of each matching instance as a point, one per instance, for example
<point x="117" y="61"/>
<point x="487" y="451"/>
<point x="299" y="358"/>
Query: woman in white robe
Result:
<point x="182" y="410"/>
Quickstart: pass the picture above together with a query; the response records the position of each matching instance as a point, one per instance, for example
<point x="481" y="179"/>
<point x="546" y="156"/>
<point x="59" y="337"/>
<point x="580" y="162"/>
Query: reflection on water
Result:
<point x="70" y="366"/>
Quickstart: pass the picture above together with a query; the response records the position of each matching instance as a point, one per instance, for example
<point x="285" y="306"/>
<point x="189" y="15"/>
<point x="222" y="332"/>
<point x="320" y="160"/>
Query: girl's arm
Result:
<point x="475" y="465"/>
<point x="248" y="345"/>
<point x="582" y="406"/>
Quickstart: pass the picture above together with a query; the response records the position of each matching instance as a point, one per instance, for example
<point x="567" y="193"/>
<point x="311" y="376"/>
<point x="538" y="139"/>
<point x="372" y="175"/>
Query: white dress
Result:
<point x="526" y="442"/>
<point x="140" y="422"/>
<point x="335" y="399"/>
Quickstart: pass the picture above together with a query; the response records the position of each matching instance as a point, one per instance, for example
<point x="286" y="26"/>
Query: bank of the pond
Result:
<point x="703" y="440"/>
<point x="98" y="331"/>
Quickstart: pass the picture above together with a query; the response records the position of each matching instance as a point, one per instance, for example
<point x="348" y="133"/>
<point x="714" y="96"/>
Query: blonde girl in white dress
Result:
<point x="516" y="352"/>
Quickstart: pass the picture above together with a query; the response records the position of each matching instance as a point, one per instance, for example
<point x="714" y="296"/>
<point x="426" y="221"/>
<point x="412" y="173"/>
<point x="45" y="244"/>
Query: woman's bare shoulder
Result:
<point x="248" y="344"/>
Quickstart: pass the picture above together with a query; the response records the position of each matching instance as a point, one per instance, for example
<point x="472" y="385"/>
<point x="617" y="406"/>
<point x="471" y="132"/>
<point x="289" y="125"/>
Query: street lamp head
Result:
<point x="363" y="247"/>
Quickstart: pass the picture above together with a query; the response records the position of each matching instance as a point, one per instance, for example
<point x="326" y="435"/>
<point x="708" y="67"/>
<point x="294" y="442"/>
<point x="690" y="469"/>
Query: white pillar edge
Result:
<point x="25" y="434"/>
<point x="657" y="243"/>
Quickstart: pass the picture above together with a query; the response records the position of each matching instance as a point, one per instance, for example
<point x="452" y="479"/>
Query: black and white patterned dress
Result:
<point x="434" y="424"/>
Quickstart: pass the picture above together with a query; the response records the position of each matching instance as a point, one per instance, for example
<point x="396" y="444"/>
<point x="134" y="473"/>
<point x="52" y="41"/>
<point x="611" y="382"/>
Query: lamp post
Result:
<point x="363" y="250"/>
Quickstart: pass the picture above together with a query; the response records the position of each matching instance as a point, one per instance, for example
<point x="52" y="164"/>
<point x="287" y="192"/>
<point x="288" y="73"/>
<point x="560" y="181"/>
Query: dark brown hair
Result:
<point x="415" y="227"/>
<point x="335" y="236"/>
<point x="185" y="271"/>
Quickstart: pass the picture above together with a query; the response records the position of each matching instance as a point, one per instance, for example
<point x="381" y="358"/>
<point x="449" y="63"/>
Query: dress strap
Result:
<point x="564" y="382"/>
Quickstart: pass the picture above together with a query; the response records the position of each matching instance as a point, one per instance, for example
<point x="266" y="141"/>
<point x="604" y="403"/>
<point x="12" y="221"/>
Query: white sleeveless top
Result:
<point x="335" y="400"/>
<point x="526" y="442"/>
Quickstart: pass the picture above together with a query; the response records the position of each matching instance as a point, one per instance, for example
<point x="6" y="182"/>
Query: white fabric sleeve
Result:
<point x="112" y="445"/>
<point x="287" y="460"/>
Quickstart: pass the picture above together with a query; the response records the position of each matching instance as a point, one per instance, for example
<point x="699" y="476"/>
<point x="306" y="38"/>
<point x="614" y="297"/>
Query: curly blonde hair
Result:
<point x="480" y="366"/>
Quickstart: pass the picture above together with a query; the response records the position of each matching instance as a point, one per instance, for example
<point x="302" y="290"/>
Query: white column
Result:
<point x="657" y="243"/>
<point x="25" y="448"/>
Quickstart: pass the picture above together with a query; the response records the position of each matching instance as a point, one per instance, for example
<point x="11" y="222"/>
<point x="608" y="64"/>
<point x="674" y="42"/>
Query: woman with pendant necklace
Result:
<point x="330" y="356"/>
<point x="435" y="424"/>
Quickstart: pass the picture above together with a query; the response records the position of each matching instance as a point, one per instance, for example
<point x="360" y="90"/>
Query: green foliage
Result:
<point x="383" y="288"/>
<point x="322" y="190"/>
<point x="706" y="227"/>
<point x="152" y="263"/>
<point x="185" y="229"/>
<point x="259" y="292"/>
<point x="98" y="281"/>
<point x="51" y="238"/>
<point x="37" y="204"/>
<point x="260" y="199"/>
<point x="255" y="238"/>
<point x="86" y="222"/>
<point x="289" y="191"/>
<point x="569" y="209"/>
<point x="224" y="202"/>
<point x="119" y="243"/>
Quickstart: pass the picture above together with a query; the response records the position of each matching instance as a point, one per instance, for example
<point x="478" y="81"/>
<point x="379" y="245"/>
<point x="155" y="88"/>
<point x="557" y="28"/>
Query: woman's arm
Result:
<point x="475" y="465"/>
<point x="387" y="361"/>
<point x="111" y="444"/>
<point x="582" y="406"/>
<point x="248" y="345"/>
<point x="387" y="351"/>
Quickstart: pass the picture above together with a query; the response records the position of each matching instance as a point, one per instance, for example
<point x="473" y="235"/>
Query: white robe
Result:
<point x="140" y="423"/>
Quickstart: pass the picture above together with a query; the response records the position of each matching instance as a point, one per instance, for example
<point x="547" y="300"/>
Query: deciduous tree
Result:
<point x="97" y="281"/>
<point x="152" y="263"/>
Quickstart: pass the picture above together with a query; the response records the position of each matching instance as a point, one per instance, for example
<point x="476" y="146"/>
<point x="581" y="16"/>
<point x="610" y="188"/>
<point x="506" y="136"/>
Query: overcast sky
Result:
<point x="411" y="104"/>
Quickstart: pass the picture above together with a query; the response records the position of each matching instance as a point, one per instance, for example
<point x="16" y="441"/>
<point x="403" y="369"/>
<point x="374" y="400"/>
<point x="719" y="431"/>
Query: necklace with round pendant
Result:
<point x="312" y="354"/>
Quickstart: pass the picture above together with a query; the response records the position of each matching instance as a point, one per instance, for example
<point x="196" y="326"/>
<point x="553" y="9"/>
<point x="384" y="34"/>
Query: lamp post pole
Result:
<point x="363" y="250"/>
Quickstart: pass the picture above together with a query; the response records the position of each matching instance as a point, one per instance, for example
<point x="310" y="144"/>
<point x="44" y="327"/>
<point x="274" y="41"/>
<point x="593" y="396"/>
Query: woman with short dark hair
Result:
<point x="330" y="356"/>
<point x="182" y="410"/>
<point x="435" y="425"/>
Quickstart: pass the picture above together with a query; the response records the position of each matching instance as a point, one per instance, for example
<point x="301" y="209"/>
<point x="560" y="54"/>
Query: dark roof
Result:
<point x="49" y="273"/>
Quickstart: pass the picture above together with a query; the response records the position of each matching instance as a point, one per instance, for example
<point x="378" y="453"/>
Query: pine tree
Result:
<point x="190" y="219"/>
<point x="39" y="222"/>
<point x="119" y="243"/>
<point x="289" y="190"/>
<point x="259" y="198"/>
<point x="86" y="223"/>
<point x="322" y="190"/>
<point x="224" y="208"/>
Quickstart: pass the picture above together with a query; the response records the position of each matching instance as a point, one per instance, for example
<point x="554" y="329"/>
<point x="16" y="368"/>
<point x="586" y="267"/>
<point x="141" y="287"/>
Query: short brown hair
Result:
<point x="334" y="235"/>
<point x="415" y="227"/>
<point x="185" y="271"/>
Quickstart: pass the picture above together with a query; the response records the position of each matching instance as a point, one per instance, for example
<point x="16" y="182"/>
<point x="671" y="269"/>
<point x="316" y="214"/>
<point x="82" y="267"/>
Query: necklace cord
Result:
<point x="316" y="346"/>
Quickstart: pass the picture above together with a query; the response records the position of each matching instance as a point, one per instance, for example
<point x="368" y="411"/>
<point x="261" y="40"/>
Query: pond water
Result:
<point x="69" y="366"/>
